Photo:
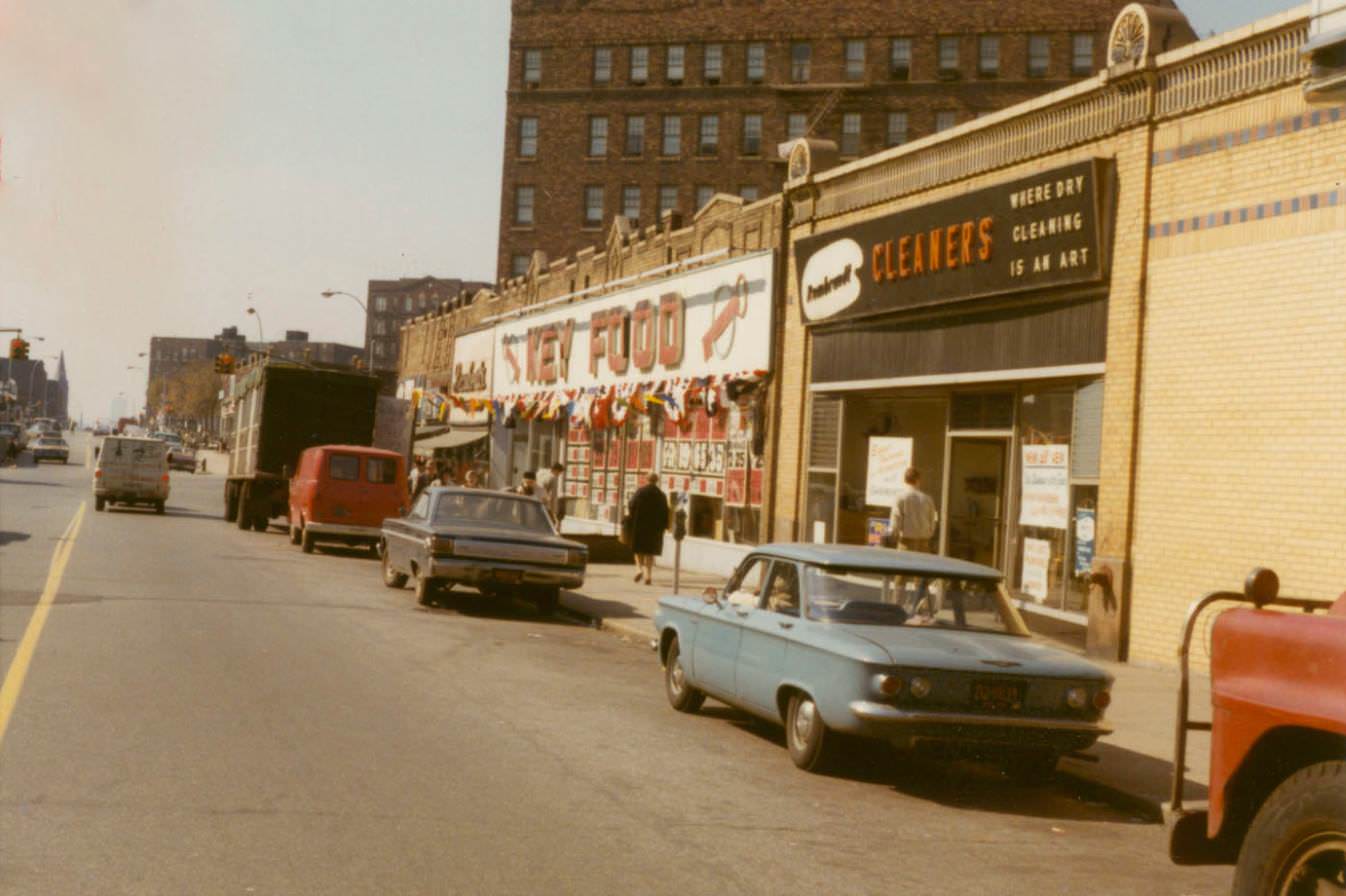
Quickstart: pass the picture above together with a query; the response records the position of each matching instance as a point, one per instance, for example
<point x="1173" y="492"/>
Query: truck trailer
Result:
<point x="277" y="410"/>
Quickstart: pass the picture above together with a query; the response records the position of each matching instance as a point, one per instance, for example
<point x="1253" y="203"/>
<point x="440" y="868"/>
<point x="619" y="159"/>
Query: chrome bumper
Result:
<point x="373" y="533"/>
<point x="869" y="711"/>
<point x="484" y="573"/>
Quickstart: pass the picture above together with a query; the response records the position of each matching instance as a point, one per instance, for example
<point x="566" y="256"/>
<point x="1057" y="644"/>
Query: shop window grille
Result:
<point x="824" y="433"/>
<point x="1086" y="441"/>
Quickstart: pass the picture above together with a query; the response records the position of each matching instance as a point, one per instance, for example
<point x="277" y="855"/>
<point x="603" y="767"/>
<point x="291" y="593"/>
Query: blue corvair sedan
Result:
<point x="915" y="649"/>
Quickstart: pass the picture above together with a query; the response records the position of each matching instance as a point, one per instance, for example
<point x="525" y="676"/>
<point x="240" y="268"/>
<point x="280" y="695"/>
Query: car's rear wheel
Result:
<point x="391" y="577"/>
<point x="1297" y="841"/>
<point x="307" y="540"/>
<point x="812" y="746"/>
<point x="295" y="534"/>
<point x="99" y="503"/>
<point x="159" y="507"/>
<point x="426" y="589"/>
<point x="681" y="695"/>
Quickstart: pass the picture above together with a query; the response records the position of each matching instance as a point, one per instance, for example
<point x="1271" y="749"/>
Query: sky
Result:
<point x="165" y="164"/>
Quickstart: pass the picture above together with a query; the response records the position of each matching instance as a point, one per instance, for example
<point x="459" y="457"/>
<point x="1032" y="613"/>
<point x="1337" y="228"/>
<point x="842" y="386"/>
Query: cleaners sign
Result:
<point x="1039" y="232"/>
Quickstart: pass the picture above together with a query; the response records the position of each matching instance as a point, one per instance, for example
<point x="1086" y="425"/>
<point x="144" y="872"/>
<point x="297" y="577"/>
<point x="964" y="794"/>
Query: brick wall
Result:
<point x="565" y="34"/>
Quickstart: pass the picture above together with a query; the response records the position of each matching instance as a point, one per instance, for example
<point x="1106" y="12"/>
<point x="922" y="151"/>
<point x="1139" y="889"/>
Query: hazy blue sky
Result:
<point x="164" y="159"/>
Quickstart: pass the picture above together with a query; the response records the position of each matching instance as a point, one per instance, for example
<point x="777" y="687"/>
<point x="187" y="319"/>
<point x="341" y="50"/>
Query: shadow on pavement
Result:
<point x="32" y="482"/>
<point x="597" y="608"/>
<point x="976" y="785"/>
<point x="7" y="537"/>
<point x="476" y="606"/>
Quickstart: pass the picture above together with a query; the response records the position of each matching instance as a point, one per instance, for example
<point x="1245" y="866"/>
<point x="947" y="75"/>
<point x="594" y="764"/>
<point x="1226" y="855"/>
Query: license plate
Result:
<point x="512" y="576"/>
<point x="998" y="696"/>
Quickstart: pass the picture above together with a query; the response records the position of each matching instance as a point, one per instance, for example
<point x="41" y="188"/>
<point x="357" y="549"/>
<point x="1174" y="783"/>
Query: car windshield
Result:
<point x="866" y="597"/>
<point x="499" y="510"/>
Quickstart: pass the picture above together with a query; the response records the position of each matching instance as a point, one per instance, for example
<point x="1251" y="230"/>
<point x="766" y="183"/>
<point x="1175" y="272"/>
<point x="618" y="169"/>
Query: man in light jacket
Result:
<point x="914" y="515"/>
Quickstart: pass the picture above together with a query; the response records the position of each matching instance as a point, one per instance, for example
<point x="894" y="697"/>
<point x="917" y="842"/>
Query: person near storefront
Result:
<point x="472" y="479"/>
<point x="914" y="515"/>
<point x="648" y="520"/>
<point x="528" y="486"/>
<point x="550" y="484"/>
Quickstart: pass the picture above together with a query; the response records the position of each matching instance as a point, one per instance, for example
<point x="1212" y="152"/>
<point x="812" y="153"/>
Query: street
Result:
<point x="212" y="711"/>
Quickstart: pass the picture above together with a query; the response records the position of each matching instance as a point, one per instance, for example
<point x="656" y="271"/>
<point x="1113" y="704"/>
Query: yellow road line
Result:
<point x="18" y="669"/>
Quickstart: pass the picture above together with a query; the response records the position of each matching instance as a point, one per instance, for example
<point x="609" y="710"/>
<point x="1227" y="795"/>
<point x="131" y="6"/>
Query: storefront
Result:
<point x="966" y="338"/>
<point x="667" y="377"/>
<point x="453" y="415"/>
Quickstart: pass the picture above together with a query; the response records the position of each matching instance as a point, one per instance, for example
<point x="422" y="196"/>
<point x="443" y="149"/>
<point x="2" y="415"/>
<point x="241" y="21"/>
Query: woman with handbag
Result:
<point x="645" y="526"/>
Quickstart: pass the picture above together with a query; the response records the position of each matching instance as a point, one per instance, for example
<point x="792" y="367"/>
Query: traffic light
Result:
<point x="18" y="349"/>
<point x="224" y="363"/>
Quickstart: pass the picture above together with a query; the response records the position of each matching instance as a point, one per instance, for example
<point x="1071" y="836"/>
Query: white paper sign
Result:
<point x="1037" y="557"/>
<point x="889" y="458"/>
<point x="1045" y="498"/>
<point x="472" y="369"/>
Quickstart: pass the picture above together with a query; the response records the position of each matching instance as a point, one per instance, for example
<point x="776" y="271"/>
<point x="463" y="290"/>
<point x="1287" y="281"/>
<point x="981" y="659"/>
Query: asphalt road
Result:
<point x="209" y="711"/>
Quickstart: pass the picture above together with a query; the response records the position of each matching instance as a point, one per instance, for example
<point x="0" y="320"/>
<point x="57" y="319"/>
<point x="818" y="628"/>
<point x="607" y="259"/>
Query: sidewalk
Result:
<point x="1134" y="764"/>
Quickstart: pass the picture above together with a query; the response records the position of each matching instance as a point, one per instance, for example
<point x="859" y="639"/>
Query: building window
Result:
<point x="527" y="137"/>
<point x="801" y="54"/>
<point x="406" y="302"/>
<point x="749" y="193"/>
<point x="631" y="204"/>
<point x="988" y="55"/>
<point x="518" y="264"/>
<point x="948" y="56"/>
<point x="714" y="63"/>
<point x="945" y="120"/>
<point x="703" y="194"/>
<point x="677" y="63"/>
<point x="1082" y="54"/>
<point x="593" y="205"/>
<point x="635" y="135"/>
<point x="897" y="128"/>
<point x="532" y="67"/>
<point x="796" y="125"/>
<point x="756" y="62"/>
<point x="708" y="140"/>
<point x="752" y="134"/>
<point x="899" y="59"/>
<point x="850" y="134"/>
<point x="598" y="136"/>
<point x="602" y="65"/>
<point x="668" y="198"/>
<point x="380" y="303"/>
<point x="672" y="136"/>
<point x="1039" y="55"/>
<point x="855" y="60"/>
<point x="640" y="65"/>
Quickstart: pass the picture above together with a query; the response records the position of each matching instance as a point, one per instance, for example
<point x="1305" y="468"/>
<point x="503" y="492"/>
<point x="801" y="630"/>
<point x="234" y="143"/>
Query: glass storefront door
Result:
<point x="975" y="511"/>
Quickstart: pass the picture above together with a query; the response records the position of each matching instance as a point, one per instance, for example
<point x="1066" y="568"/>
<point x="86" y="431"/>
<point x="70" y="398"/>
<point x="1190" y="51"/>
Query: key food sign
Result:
<point x="1041" y="232"/>
<point x="713" y="321"/>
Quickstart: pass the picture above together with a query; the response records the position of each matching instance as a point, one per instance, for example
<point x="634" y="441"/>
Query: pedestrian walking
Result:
<point x="914" y="515"/>
<point x="416" y="475"/>
<point x="427" y="477"/>
<point x="648" y="521"/>
<point x="550" y="484"/>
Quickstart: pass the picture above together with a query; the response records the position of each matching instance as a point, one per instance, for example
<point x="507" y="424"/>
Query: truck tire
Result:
<point x="307" y="541"/>
<point x="243" y="516"/>
<point x="1299" y="834"/>
<point x="261" y="521"/>
<point x="99" y="503"/>
<point x="231" y="502"/>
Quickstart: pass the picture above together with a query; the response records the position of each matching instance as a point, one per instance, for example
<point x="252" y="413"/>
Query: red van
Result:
<point x="343" y="493"/>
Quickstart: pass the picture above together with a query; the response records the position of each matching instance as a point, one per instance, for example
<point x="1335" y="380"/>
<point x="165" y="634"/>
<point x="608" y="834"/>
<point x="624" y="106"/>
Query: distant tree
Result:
<point x="189" y="392"/>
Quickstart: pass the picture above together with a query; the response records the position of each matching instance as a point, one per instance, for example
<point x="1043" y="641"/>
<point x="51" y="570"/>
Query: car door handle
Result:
<point x="787" y="625"/>
<point x="743" y="613"/>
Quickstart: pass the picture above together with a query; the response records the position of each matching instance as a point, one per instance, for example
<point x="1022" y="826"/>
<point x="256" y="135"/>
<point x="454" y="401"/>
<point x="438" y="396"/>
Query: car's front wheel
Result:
<point x="681" y="695"/>
<point x="812" y="746"/>
<point x="391" y="577"/>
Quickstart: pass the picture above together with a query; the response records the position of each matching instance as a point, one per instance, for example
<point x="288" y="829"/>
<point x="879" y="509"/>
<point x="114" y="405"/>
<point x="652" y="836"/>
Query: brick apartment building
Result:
<point x="637" y="108"/>
<point x="391" y="303"/>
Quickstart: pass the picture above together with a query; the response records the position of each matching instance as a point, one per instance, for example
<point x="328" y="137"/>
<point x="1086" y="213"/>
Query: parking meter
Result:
<point x="680" y="524"/>
<point x="679" y="533"/>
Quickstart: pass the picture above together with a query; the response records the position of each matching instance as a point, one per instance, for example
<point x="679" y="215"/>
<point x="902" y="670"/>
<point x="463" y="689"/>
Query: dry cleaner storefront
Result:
<point x="966" y="338"/>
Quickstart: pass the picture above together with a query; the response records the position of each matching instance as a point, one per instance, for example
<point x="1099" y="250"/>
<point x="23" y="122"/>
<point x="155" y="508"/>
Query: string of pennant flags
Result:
<point x="599" y="407"/>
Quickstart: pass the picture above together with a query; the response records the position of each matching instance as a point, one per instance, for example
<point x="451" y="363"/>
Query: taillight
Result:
<point x="165" y="477"/>
<point x="97" y="474"/>
<point x="1102" y="700"/>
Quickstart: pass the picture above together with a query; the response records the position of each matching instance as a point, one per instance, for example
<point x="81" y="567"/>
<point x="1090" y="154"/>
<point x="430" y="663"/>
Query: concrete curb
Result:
<point x="638" y="629"/>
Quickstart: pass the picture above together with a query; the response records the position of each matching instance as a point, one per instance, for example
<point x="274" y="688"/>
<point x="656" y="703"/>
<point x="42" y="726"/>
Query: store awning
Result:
<point x="453" y="438"/>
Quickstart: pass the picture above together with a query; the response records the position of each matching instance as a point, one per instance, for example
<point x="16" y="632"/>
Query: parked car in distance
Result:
<point x="343" y="493"/>
<point x="1277" y="805"/>
<point x="496" y="542"/>
<point x="922" y="651"/>
<point x="50" y="447"/>
<point x="180" y="457"/>
<point x="131" y="470"/>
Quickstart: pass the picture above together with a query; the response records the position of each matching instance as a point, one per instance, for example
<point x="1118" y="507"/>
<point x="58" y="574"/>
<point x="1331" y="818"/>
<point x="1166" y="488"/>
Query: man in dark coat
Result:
<point x="649" y="521"/>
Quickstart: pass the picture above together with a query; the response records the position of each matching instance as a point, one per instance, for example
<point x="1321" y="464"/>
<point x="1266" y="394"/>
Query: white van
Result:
<point x="131" y="471"/>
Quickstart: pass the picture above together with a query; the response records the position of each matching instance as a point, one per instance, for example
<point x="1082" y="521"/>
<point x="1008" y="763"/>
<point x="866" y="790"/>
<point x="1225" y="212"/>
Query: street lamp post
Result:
<point x="328" y="293"/>
<point x="256" y="314"/>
